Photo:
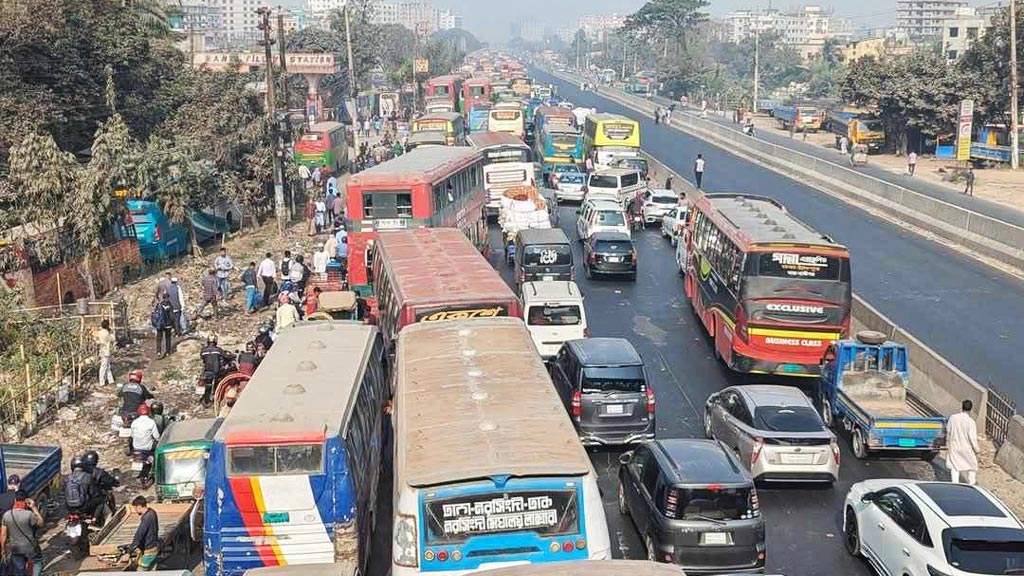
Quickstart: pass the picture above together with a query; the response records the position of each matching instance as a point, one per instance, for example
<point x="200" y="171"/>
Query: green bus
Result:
<point x="323" y="143"/>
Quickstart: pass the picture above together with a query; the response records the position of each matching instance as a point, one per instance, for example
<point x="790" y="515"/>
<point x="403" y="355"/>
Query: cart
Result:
<point x="105" y="546"/>
<point x="859" y="155"/>
<point x="340" y="305"/>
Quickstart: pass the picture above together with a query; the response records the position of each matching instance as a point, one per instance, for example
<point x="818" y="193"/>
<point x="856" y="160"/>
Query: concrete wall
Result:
<point x="1011" y="454"/>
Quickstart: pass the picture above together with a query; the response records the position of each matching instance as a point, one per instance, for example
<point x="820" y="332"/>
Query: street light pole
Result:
<point x="279" y="207"/>
<point x="1014" y="112"/>
<point x="757" y="66"/>
<point x="352" y="89"/>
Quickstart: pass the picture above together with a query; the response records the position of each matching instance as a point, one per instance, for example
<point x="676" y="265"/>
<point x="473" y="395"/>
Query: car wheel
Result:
<point x="652" y="556"/>
<point x="708" y="432"/>
<point x="851" y="535"/>
<point x="826" y="412"/>
<point x="860" y="448"/>
<point x="623" y="507"/>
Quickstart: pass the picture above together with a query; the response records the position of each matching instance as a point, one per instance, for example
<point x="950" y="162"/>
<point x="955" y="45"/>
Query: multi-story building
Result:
<point x="876" y="44"/>
<point x="564" y="33"/>
<point x="421" y="16"/>
<point x="231" y="21"/>
<point x="321" y="9"/>
<point x="528" y="30"/>
<point x="962" y="31"/>
<point x="596" y="27"/>
<point x="295" y="19"/>
<point x="922" y="19"/>
<point x="806" y="29"/>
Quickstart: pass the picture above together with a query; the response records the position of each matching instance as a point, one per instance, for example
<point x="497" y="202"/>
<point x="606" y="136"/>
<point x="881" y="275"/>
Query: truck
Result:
<point x="38" y="467"/>
<point x="800" y="118"/>
<point x="522" y="208"/>
<point x="858" y="128"/>
<point x="863" y="390"/>
<point x="178" y="523"/>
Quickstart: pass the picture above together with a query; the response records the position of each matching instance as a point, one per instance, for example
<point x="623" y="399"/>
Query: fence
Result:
<point x="1000" y="410"/>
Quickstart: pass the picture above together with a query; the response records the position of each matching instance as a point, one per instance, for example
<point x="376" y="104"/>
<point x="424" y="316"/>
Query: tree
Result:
<point x="989" y="59"/>
<point x="674" y="23"/>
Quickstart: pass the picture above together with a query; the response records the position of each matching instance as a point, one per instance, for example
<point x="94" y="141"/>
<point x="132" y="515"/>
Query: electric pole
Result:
<point x="267" y="42"/>
<point x="623" y="58"/>
<point x="280" y="49"/>
<point x="757" y="65"/>
<point x="1014" y="112"/>
<point x="353" y="91"/>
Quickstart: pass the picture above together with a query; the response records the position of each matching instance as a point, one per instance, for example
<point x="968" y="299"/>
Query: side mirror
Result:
<point x="578" y="211"/>
<point x="626" y="458"/>
<point x="869" y="497"/>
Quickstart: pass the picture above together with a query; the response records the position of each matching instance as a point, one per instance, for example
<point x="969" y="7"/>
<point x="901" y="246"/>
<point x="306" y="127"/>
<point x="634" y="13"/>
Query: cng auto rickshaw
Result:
<point x="181" y="454"/>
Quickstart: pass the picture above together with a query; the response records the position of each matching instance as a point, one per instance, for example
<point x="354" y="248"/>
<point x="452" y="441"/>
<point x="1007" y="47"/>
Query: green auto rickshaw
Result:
<point x="179" y="467"/>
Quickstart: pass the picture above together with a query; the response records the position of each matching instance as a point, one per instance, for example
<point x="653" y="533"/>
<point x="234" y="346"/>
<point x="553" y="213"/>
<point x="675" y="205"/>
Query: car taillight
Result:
<point x="671" y="502"/>
<point x="577" y="405"/>
<point x="741" y="322"/>
<point x="156" y="233"/>
<point x="755" y="452"/>
<point x="650" y="400"/>
<point x="755" y="504"/>
<point x="834" y="445"/>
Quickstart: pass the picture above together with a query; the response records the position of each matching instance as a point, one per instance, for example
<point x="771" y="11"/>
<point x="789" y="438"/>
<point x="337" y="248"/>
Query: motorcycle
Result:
<point x="78" y="524"/>
<point x="143" y="464"/>
<point x="748" y="129"/>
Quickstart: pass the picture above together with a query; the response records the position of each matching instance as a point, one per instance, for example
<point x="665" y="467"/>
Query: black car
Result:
<point x="694" y="505"/>
<point x="609" y="253"/>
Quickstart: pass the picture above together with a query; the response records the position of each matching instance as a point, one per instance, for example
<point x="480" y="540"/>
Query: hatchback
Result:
<point x="610" y="253"/>
<point x="603" y="384"/>
<point x="600" y="216"/>
<point x="776" y="432"/>
<point x="657" y="203"/>
<point x="694" y="505"/>
<point x="571" y="186"/>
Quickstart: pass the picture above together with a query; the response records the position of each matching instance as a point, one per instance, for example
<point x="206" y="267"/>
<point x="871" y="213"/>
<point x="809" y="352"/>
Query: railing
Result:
<point x="999" y="412"/>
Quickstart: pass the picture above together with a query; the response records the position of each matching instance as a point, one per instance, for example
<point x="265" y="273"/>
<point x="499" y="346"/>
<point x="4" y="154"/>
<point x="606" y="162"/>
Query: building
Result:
<point x="321" y="9"/>
<point x="922" y="19"/>
<point x="421" y="16"/>
<point x="806" y="28"/>
<point x="528" y="30"/>
<point x="295" y="19"/>
<point x="566" y="34"/>
<point x="887" y="42"/>
<point x="962" y="31"/>
<point x="596" y="27"/>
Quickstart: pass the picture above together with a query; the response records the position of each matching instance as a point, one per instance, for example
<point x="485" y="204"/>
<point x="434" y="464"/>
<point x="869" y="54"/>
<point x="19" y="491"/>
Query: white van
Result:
<point x="554" y="314"/>
<point x="615" y="183"/>
<point x="601" y="215"/>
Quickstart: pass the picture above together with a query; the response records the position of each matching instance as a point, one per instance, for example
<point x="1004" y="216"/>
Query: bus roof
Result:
<point x="446" y="79"/>
<point x="555" y="111"/>
<point x="478" y="81"/>
<point x="473" y="401"/>
<point x="762" y="220"/>
<point x="431" y="265"/>
<point x="325" y="127"/>
<point x="606" y="117"/>
<point x="484" y="140"/>
<point x="303" y="387"/>
<point x="590" y="568"/>
<point x="420" y="166"/>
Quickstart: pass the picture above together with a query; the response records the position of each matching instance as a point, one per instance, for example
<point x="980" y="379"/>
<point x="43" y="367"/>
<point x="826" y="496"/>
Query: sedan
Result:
<point x="657" y="203"/>
<point x="609" y="253"/>
<point x="571" y="186"/>
<point x="776" y="432"/>
<point x="672" y="223"/>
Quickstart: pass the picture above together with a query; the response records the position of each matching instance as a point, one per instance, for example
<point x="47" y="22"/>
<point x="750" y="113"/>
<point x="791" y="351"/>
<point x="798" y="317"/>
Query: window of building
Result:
<point x="954" y="32"/>
<point x="972" y="33"/>
<point x="951" y="55"/>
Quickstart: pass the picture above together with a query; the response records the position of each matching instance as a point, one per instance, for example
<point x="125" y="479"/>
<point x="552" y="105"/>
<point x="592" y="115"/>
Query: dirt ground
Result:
<point x="997" y="184"/>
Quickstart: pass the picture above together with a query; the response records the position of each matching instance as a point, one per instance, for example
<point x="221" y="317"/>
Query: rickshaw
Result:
<point x="180" y="464"/>
<point x="235" y="381"/>
<point x="337" y="305"/>
<point x="859" y="155"/>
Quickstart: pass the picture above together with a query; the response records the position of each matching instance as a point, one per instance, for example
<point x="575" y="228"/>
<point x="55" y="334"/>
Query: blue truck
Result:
<point x="863" y="390"/>
<point x="38" y="467"/>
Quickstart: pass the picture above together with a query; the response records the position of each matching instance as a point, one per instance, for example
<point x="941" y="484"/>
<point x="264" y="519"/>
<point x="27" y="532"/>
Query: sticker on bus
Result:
<point x="618" y="131"/>
<point x="435" y="315"/>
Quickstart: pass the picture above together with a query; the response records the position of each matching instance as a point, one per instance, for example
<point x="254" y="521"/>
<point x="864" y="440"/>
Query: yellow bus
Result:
<point x="507" y="117"/>
<point x="610" y="136"/>
<point x="451" y="124"/>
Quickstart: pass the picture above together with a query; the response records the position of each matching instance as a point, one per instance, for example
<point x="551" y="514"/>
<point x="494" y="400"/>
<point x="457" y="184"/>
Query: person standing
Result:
<point x="267" y="272"/>
<point x="911" y="162"/>
<point x="844" y="145"/>
<point x="182" y="303"/>
<point x="286" y="264"/>
<point x="287" y="314"/>
<point x="104" y="340"/>
<point x="339" y="207"/>
<point x="252" y="300"/>
<point x="962" y="445"/>
<point x="331" y="246"/>
<point x="162" y="287"/>
<point x="18" y="535"/>
<point x="319" y="214"/>
<point x="366" y="128"/>
<point x="969" y="181"/>
<point x="376" y="125"/>
<point x="164" y="323"/>
<point x="224" y="266"/>
<point x="146" y="543"/>
<point x="317" y="177"/>
<point x="698" y="171"/>
<point x="177" y="305"/>
<point x="305" y="174"/>
<point x="211" y="290"/>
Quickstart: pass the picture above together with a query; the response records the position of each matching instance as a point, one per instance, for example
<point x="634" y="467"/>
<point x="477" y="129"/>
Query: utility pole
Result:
<point x="623" y="58"/>
<point x="280" y="49"/>
<point x="1014" y="112"/>
<point x="757" y="66"/>
<point x="267" y="42"/>
<point x="579" y="50"/>
<point x="352" y="89"/>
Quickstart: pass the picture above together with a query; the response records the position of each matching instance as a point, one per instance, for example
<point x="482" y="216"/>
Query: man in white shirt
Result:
<point x="104" y="340"/>
<point x="267" y="271"/>
<point x="287" y="314"/>
<point x="962" y="445"/>
<point x="224" y="265"/>
<point x="698" y="170"/>
<point x="145" y="433"/>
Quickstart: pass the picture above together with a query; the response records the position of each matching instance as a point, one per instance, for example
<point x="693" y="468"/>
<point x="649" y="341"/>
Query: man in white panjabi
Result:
<point x="962" y="445"/>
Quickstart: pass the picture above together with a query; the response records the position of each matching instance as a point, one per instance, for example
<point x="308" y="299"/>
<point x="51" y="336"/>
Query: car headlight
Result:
<point x="405" y="547"/>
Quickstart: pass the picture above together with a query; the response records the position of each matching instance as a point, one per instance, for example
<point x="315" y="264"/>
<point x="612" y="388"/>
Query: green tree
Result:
<point x="44" y="177"/>
<point x="675" y="25"/>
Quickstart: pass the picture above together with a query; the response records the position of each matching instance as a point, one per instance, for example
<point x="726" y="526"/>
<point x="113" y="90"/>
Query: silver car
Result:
<point x="775" y="431"/>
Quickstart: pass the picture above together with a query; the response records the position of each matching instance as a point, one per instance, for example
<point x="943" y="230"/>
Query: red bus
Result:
<point x="435" y="274"/>
<point x="771" y="291"/>
<point x="435" y="186"/>
<point x="449" y="87"/>
<point x="476" y="90"/>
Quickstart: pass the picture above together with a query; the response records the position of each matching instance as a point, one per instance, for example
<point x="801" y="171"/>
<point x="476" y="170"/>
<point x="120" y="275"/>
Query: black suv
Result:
<point x="609" y="253"/>
<point x="694" y="505"/>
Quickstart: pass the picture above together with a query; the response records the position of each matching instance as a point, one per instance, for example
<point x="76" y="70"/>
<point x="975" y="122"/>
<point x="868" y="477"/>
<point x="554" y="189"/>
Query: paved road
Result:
<point x="966" y="311"/>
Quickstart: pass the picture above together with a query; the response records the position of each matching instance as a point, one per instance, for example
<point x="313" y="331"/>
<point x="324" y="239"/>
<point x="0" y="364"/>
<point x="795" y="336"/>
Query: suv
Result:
<point x="694" y="505"/>
<point x="603" y="384"/>
<point x="610" y="253"/>
<point x="554" y="314"/>
<point x="600" y="216"/>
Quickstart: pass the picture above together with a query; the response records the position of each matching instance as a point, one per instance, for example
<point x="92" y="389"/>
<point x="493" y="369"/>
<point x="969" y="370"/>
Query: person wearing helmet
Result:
<point x="89" y="487"/>
<point x="156" y="412"/>
<point x="103" y="482"/>
<point x="133" y="395"/>
<point x="263" y="341"/>
<point x="144" y="437"/>
<point x="216" y="362"/>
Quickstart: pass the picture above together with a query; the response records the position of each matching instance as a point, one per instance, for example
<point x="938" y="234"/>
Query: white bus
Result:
<point x="507" y="163"/>
<point x="488" y="468"/>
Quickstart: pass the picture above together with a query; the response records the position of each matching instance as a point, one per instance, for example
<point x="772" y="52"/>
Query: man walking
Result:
<point x="162" y="287"/>
<point x="911" y="163"/>
<point x="177" y="305"/>
<point x="104" y="340"/>
<point x="146" y="543"/>
<point x="163" y="320"/>
<point x="211" y="290"/>
<point x="698" y="170"/>
<point x="224" y="266"/>
<point x="969" y="181"/>
<point x="251" y="295"/>
<point x="267" y="272"/>
<point x="18" y="535"/>
<point x="962" y="445"/>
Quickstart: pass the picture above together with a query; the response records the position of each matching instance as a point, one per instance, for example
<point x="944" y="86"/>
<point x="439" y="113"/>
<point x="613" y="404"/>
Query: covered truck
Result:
<point x="521" y="208"/>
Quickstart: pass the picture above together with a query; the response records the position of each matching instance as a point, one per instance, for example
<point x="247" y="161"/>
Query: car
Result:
<point x="776" y="432"/>
<point x="571" y="186"/>
<point x="604" y="387"/>
<point x="657" y="202"/>
<point x="929" y="528"/>
<point x="600" y="215"/>
<point x="634" y="163"/>
<point x="610" y="253"/>
<point x="619" y="184"/>
<point x="554" y="314"/>
<point x="672" y="223"/>
<point x="694" y="505"/>
<point x="681" y="255"/>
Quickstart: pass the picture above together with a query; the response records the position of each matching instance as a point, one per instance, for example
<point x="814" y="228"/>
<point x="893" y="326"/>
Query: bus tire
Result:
<point x="860" y="447"/>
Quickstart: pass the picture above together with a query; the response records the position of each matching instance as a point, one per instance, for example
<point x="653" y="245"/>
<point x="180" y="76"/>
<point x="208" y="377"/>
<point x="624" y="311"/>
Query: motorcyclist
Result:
<point x="133" y="395"/>
<point x="248" y="360"/>
<point x="215" y="366"/>
<point x="144" y="438"/>
<point x="103" y="483"/>
<point x="78" y="487"/>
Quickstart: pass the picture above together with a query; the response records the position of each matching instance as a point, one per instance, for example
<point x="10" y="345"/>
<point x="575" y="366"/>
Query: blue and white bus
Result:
<point x="294" y="468"/>
<point x="488" y="468"/>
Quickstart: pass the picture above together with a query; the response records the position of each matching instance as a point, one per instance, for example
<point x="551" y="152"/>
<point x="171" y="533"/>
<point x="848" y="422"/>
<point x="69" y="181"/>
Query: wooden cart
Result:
<point x="175" y="536"/>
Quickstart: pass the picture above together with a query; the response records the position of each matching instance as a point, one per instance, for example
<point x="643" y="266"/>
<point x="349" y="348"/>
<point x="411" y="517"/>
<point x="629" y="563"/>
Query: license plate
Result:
<point x="136" y="466"/>
<point x="74" y="531"/>
<point x="548" y="278"/>
<point x="200" y="389"/>
<point x="715" y="538"/>
<point x="124" y="432"/>
<point x="907" y="443"/>
<point x="614" y="409"/>
<point x="390" y="223"/>
<point x="798" y="458"/>
<point x="187" y="489"/>
<point x="615" y="259"/>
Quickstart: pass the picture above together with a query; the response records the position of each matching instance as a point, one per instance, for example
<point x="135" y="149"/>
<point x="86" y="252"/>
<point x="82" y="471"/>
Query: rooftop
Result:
<point x="605" y="352"/>
<point x="764" y="220"/>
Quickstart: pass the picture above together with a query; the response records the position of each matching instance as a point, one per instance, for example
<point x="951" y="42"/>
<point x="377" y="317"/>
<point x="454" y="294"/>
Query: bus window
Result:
<point x="266" y="460"/>
<point x="387" y="205"/>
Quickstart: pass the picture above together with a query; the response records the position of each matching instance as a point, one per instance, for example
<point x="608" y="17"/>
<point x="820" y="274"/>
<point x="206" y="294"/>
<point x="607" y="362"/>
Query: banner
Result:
<point x="963" y="133"/>
<point x="421" y="66"/>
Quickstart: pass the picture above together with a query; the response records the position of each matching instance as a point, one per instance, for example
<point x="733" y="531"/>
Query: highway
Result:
<point x="966" y="311"/>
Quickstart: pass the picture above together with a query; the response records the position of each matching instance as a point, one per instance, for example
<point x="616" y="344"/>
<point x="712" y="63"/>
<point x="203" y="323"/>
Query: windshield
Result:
<point x="456" y="518"/>
<point x="787" y="419"/>
<point x="610" y="219"/>
<point x="441" y="90"/>
<point x="980" y="556"/>
<point x="597" y="181"/>
<point x="476" y="90"/>
<point x="872" y="125"/>
<point x="711" y="502"/>
<point x="548" y="315"/>
<point x="794" y="265"/>
<point x="268" y="460"/>
<point x="547" y="255"/>
<point x="614" y="379"/>
<point x="564" y="142"/>
<point x="178" y="470"/>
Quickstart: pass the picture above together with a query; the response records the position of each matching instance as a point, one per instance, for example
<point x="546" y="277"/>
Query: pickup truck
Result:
<point x="863" y="390"/>
<point x="38" y="466"/>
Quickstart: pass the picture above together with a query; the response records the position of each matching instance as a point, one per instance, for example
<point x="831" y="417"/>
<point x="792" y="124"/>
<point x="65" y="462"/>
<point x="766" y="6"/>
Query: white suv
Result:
<point x="600" y="215"/>
<point x="909" y="527"/>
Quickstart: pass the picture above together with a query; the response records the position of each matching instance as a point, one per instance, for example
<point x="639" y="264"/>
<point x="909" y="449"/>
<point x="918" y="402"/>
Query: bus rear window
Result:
<point x="793" y="265"/>
<point x="545" y="512"/>
<point x="270" y="460"/>
<point x="476" y="90"/>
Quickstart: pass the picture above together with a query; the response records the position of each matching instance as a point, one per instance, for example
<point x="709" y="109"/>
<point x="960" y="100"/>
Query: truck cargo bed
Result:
<point x="121" y="528"/>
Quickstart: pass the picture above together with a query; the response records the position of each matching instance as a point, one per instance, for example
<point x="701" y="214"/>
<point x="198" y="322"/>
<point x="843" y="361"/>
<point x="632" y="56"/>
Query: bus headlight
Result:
<point x="404" y="547"/>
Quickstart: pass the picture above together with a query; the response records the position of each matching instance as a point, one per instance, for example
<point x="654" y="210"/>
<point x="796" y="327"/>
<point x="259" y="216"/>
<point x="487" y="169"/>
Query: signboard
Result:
<point x="421" y="66"/>
<point x="461" y="312"/>
<point x="296" y="62"/>
<point x="618" y="131"/>
<point x="548" y="513"/>
<point x="963" y="133"/>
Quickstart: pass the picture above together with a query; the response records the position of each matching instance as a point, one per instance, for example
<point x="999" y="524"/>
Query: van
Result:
<point x="615" y="183"/>
<point x="554" y="314"/>
<point x="604" y="386"/>
<point x="601" y="215"/>
<point x="160" y="238"/>
<point x="542" y="254"/>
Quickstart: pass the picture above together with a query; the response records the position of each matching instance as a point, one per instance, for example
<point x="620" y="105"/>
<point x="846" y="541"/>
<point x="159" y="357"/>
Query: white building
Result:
<point x="597" y="26"/>
<point x="806" y="28"/>
<point x="923" y="18"/>
<point x="529" y="30"/>
<point x="962" y="31"/>
<point x="423" y="16"/>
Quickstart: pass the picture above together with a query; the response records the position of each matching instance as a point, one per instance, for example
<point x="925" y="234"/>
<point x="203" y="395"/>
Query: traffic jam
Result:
<point x="516" y="401"/>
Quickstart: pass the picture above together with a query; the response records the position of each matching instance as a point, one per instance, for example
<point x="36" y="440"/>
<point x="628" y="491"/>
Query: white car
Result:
<point x="672" y="223"/>
<point x="600" y="215"/>
<point x="657" y="203"/>
<point x="919" y="528"/>
<point x="571" y="186"/>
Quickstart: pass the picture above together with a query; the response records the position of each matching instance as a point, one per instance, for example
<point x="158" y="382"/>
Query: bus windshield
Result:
<point x="503" y="155"/>
<point x="564" y="142"/>
<point x="476" y="91"/>
<point x="441" y="90"/>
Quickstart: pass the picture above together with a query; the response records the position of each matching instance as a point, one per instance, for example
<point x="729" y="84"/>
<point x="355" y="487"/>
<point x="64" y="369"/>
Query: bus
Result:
<point x="293" y="472"/>
<point x="435" y="274"/>
<point x="521" y="86"/>
<point x="506" y="117"/>
<point x="476" y="90"/>
<point x="478" y="115"/>
<point x="488" y="468"/>
<point x="610" y="136"/>
<point x="558" y="145"/>
<point x="323" y="144"/>
<point x="450" y="126"/>
<point x="507" y="163"/>
<point x="449" y="86"/>
<point x="429" y="187"/>
<point x="545" y="116"/>
<point x="771" y="291"/>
